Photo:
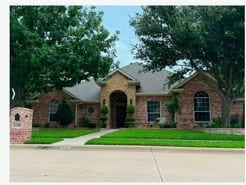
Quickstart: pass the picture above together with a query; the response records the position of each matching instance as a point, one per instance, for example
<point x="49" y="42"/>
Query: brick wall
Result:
<point x="82" y="109"/>
<point x="237" y="108"/>
<point x="186" y="117"/>
<point x="41" y="108"/>
<point x="20" y="128"/>
<point x="141" y="108"/>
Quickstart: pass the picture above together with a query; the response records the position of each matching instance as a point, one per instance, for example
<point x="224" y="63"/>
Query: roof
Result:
<point x="87" y="91"/>
<point x="151" y="82"/>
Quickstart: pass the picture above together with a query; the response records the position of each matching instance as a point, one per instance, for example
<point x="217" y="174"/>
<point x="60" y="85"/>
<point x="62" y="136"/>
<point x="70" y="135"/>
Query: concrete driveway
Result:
<point x="125" y="164"/>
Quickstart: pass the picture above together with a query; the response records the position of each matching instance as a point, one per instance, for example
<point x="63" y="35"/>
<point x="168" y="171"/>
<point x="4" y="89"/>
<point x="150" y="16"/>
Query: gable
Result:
<point x="205" y="77"/>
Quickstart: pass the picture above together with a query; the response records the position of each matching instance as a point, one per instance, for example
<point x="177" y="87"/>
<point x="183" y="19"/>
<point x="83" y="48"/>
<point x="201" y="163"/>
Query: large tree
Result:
<point x="195" y="38"/>
<point x="56" y="46"/>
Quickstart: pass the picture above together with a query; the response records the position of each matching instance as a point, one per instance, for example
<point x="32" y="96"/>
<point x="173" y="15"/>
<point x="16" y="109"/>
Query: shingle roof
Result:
<point x="150" y="83"/>
<point x="87" y="91"/>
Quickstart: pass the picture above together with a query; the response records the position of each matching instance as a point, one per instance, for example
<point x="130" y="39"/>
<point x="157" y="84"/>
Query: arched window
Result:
<point x="202" y="107"/>
<point x="53" y="110"/>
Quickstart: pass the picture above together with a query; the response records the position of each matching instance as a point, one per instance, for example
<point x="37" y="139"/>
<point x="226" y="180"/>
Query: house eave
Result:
<point x="134" y="82"/>
<point x="101" y="83"/>
<point x="176" y="90"/>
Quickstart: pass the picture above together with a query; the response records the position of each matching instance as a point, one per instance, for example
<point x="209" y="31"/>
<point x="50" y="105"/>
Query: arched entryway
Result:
<point x="118" y="103"/>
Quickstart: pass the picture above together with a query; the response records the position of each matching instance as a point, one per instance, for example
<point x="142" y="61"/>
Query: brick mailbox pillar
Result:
<point x="20" y="125"/>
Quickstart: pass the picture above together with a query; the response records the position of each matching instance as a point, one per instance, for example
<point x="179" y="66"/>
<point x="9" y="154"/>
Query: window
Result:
<point x="53" y="110"/>
<point x="201" y="107"/>
<point x="153" y="110"/>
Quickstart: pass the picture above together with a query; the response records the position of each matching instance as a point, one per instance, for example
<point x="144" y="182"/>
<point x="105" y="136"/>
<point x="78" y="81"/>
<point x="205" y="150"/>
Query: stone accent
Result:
<point x="235" y="131"/>
<point x="20" y="125"/>
<point x="117" y="82"/>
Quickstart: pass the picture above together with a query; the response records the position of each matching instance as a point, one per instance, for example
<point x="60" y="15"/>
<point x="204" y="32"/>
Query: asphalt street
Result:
<point x="125" y="164"/>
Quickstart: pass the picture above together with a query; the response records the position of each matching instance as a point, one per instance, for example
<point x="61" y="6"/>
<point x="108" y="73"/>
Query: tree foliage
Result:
<point x="173" y="107"/>
<point x="56" y="46"/>
<point x="208" y="39"/>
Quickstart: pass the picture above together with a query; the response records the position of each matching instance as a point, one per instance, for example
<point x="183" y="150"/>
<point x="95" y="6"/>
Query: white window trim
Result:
<point x="194" y="113"/>
<point x="147" y="113"/>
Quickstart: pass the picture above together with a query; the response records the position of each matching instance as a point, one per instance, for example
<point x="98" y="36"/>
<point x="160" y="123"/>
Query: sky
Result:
<point x="117" y="18"/>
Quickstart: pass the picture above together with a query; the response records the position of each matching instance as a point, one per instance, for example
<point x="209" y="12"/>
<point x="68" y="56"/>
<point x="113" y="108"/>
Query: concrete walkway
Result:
<point x="78" y="141"/>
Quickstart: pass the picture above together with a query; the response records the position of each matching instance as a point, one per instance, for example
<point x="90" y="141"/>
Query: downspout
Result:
<point x="76" y="113"/>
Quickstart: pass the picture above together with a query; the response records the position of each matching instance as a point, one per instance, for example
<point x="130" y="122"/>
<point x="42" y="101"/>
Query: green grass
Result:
<point x="49" y="136"/>
<point x="165" y="137"/>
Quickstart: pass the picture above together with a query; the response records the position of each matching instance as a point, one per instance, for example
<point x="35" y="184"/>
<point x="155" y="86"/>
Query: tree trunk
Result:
<point x="225" y="113"/>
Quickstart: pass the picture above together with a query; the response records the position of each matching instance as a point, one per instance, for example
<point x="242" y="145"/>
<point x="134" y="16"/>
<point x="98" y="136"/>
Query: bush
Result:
<point x="103" y="118"/>
<point x="85" y="121"/>
<point x="92" y="125"/>
<point x="217" y="123"/>
<point x="168" y="124"/>
<point x="130" y="109"/>
<point x="65" y="114"/>
<point x="46" y="125"/>
<point x="235" y="121"/>
<point x="129" y="122"/>
<point x="35" y="125"/>
<point x="104" y="109"/>
<point x="102" y="125"/>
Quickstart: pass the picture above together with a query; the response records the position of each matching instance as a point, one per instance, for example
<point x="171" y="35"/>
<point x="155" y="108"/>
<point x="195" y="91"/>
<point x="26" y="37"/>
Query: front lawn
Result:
<point x="48" y="136"/>
<point x="165" y="137"/>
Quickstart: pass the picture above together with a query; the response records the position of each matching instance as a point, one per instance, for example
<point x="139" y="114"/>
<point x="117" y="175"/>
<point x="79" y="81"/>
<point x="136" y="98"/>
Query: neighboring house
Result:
<point x="147" y="91"/>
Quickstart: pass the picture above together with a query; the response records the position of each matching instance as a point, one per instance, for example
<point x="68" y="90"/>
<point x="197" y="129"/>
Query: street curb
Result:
<point x="126" y="147"/>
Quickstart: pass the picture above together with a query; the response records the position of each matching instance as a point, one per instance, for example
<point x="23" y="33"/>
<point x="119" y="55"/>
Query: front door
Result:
<point x="121" y="116"/>
<point x="118" y="104"/>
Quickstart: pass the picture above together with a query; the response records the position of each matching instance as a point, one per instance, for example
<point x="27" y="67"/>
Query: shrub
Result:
<point x="173" y="107"/>
<point x="65" y="114"/>
<point x="102" y="125"/>
<point x="217" y="123"/>
<point x="235" y="121"/>
<point x="103" y="118"/>
<point x="85" y="121"/>
<point x="130" y="109"/>
<point x="35" y="125"/>
<point x="130" y="116"/>
<point x="46" y="125"/>
<point x="129" y="122"/>
<point x="168" y="124"/>
<point x="92" y="125"/>
<point x="104" y="109"/>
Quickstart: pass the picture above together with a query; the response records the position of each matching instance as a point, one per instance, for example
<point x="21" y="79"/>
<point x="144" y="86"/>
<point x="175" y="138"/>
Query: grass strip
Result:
<point x="49" y="136"/>
<point x="164" y="142"/>
<point x="172" y="134"/>
<point x="43" y="140"/>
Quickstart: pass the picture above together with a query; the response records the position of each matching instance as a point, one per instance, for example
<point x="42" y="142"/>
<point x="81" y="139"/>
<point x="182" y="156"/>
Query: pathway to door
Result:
<point x="78" y="141"/>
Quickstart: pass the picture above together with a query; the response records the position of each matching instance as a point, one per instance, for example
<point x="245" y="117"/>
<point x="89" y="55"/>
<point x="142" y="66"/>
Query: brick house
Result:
<point x="147" y="91"/>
